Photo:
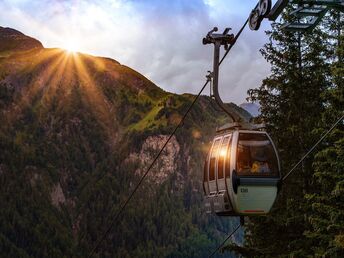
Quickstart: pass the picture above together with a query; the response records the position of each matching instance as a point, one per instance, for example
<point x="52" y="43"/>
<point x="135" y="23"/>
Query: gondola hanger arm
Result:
<point x="226" y="40"/>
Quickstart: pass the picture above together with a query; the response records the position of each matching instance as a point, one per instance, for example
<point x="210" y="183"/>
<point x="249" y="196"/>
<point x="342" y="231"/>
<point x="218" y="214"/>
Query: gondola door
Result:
<point x="222" y="203"/>
<point x="216" y="170"/>
<point x="221" y="162"/>
<point x="213" y="166"/>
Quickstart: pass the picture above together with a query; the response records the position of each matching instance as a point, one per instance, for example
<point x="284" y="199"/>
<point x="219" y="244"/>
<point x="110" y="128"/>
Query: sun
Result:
<point x="70" y="46"/>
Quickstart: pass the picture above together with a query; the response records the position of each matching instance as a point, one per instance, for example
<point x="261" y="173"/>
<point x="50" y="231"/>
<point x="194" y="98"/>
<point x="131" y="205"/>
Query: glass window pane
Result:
<point x="222" y="156"/>
<point x="256" y="155"/>
<point x="205" y="170"/>
<point x="213" y="159"/>
<point x="228" y="158"/>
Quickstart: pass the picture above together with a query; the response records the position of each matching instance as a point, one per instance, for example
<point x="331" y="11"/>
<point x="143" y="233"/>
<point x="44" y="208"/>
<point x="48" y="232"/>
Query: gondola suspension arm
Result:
<point x="226" y="40"/>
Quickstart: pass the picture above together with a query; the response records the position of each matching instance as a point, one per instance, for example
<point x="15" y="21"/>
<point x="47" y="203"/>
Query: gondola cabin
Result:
<point x="241" y="172"/>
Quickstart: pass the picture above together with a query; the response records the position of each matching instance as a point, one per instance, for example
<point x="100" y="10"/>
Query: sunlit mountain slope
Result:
<point x="76" y="133"/>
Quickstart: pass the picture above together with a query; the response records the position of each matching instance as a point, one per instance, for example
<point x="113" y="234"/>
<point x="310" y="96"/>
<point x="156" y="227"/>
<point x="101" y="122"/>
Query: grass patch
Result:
<point x="148" y="120"/>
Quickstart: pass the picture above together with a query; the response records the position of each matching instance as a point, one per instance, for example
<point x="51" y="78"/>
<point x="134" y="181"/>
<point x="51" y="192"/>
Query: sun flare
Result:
<point x="71" y="46"/>
<point x="223" y="152"/>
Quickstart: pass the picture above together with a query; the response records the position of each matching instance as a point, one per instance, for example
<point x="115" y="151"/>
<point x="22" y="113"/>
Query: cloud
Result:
<point x="159" y="38"/>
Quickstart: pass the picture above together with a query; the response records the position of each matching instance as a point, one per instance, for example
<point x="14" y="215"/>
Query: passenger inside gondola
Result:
<point x="255" y="156"/>
<point x="260" y="167"/>
<point x="260" y="164"/>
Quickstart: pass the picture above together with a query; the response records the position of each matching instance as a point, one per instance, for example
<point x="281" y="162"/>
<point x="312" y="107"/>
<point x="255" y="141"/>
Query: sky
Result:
<point x="161" y="39"/>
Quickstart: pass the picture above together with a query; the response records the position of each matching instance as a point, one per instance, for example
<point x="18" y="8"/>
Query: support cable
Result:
<point x="235" y="39"/>
<point x="311" y="149"/>
<point x="123" y="206"/>
<point x="224" y="241"/>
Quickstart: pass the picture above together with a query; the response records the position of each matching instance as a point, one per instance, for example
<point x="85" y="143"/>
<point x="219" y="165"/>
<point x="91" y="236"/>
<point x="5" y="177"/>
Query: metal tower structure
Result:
<point x="308" y="12"/>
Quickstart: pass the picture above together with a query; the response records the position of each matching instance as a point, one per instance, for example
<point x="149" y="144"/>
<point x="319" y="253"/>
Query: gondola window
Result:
<point x="256" y="156"/>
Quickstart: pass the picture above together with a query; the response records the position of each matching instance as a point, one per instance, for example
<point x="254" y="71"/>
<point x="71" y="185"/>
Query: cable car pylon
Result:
<point x="308" y="13"/>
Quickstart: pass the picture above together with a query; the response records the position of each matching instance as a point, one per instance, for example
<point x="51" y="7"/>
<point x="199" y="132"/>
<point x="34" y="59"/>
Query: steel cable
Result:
<point x="314" y="146"/>
<point x="224" y="241"/>
<point x="123" y="206"/>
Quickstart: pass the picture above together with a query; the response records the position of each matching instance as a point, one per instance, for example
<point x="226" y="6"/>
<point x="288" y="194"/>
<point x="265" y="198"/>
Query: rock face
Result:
<point x="13" y="40"/>
<point x="57" y="196"/>
<point x="167" y="163"/>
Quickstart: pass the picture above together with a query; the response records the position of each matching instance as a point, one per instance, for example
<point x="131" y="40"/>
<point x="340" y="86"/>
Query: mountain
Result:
<point x="76" y="134"/>
<point x="252" y="108"/>
<point x="13" y="40"/>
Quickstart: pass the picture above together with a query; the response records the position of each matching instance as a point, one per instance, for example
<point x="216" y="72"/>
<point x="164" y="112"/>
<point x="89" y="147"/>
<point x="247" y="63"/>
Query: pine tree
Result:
<point x="291" y="104"/>
<point x="327" y="216"/>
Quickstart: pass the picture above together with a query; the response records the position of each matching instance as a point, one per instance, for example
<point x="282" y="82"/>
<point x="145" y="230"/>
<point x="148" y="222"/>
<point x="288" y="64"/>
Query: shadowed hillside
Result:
<point x="13" y="40"/>
<point x="76" y="133"/>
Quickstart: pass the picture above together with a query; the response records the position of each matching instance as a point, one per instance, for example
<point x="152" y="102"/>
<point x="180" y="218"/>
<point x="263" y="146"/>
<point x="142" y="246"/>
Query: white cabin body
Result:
<point x="241" y="173"/>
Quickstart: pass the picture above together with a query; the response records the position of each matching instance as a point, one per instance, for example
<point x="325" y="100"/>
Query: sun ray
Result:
<point x="47" y="62"/>
<point x="41" y="81"/>
<point x="55" y="81"/>
<point x="93" y="95"/>
<point x="52" y="70"/>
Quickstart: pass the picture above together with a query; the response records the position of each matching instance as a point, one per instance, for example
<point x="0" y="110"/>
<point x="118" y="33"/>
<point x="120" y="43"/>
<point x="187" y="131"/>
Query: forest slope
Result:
<point x="76" y="133"/>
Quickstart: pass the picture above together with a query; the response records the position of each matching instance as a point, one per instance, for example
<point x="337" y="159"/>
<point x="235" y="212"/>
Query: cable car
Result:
<point x="241" y="172"/>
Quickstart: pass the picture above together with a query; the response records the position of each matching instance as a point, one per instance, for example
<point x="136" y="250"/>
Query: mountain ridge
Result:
<point x="77" y="133"/>
<point x="11" y="39"/>
<point x="252" y="108"/>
